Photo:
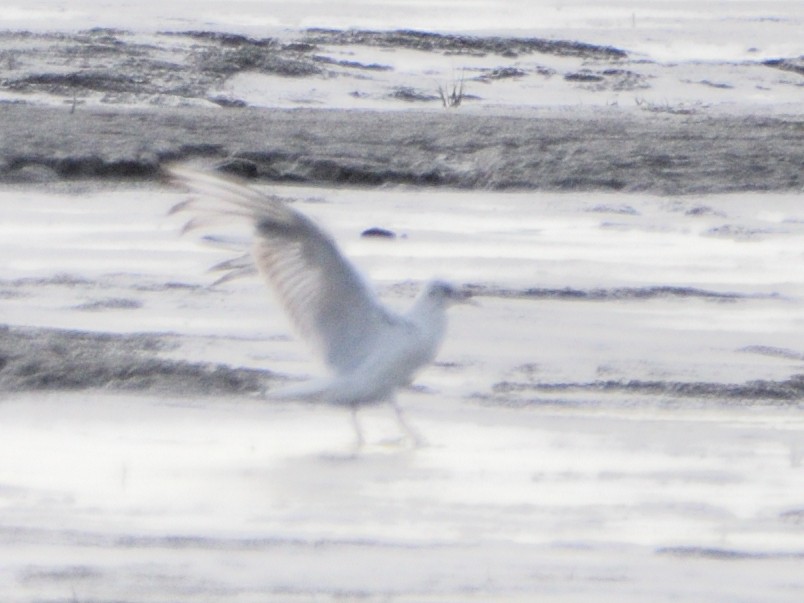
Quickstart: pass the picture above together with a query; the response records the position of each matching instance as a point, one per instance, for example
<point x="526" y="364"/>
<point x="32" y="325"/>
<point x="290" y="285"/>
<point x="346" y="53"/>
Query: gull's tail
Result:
<point x="315" y="390"/>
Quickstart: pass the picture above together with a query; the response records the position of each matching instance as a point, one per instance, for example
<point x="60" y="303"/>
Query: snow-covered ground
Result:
<point x="535" y="481"/>
<point x="681" y="55"/>
<point x="672" y="30"/>
<point x="619" y="418"/>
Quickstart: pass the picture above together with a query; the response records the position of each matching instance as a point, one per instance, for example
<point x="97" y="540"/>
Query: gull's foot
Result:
<point x="408" y="439"/>
<point x="414" y="439"/>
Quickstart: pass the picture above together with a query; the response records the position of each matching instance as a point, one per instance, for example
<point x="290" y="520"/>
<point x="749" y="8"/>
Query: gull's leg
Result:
<point x="359" y="440"/>
<point x="415" y="439"/>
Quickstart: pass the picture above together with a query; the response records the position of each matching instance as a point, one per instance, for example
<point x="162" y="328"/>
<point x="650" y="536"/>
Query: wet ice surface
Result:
<point x="619" y="419"/>
<point x="395" y="70"/>
<point x="200" y="500"/>
<point x="551" y="469"/>
<point x="660" y="57"/>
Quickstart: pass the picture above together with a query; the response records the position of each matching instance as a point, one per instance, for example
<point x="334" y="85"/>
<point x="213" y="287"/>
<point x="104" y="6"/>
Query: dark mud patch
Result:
<point x="179" y="76"/>
<point x="794" y="65"/>
<point x="608" y="79"/>
<point x="608" y="294"/>
<point x="591" y="152"/>
<point x="112" y="303"/>
<point x="501" y="73"/>
<point x="53" y="359"/>
<point x="68" y="574"/>
<point x="408" y="94"/>
<point x="462" y="44"/>
<point x="122" y="540"/>
<point x="718" y="554"/>
<point x="759" y="391"/>
<point x="122" y="70"/>
<point x="739" y="233"/>
<point x="57" y="280"/>
<point x="773" y="352"/>
<point x="793" y="516"/>
<point x="620" y="210"/>
<point x="357" y="65"/>
<point x="176" y="67"/>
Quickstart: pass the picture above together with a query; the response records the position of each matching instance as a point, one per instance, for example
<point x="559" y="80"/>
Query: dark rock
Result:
<point x="378" y="233"/>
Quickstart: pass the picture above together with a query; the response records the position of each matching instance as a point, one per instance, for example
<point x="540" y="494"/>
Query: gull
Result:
<point x="370" y="350"/>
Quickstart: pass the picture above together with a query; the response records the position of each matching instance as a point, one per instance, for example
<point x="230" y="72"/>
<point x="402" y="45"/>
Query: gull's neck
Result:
<point x="430" y="317"/>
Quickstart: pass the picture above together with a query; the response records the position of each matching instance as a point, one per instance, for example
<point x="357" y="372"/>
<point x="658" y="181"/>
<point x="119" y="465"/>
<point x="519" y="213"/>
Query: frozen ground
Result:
<point x="618" y="419"/>
<point x="658" y="56"/>
<point x="580" y="150"/>
<point x="390" y="71"/>
<point x="660" y="29"/>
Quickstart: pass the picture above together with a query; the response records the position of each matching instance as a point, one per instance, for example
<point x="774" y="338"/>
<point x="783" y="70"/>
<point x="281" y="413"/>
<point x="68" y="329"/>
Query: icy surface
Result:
<point x="540" y="477"/>
<point x="672" y="55"/>
<point x="660" y="29"/>
<point x="618" y="419"/>
<point x="386" y="70"/>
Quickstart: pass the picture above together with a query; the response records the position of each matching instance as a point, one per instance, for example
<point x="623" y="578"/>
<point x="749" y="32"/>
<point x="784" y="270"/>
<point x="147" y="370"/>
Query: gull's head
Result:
<point x="444" y="294"/>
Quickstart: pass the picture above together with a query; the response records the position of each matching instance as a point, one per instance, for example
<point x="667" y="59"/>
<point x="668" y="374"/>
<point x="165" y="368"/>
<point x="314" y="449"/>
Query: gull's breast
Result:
<point x="392" y="364"/>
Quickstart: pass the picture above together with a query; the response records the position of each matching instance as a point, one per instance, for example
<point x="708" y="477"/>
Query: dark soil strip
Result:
<point x="612" y="294"/>
<point x="791" y="390"/>
<point x="461" y="44"/>
<point x="53" y="359"/>
<point x="612" y="151"/>
<point x="726" y="554"/>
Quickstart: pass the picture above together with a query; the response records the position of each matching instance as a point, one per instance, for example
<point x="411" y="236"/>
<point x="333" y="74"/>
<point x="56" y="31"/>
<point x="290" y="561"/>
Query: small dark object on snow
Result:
<point x="378" y="233"/>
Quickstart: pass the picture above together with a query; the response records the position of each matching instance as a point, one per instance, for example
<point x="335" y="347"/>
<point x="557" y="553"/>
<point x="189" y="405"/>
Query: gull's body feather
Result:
<point x="371" y="350"/>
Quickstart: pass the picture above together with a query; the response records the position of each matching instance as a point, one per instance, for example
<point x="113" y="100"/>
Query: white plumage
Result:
<point x="371" y="350"/>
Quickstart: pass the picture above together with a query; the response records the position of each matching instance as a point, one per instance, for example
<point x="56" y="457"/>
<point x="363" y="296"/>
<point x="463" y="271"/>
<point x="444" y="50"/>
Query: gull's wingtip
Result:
<point x="181" y="206"/>
<point x="174" y="170"/>
<point x="194" y="224"/>
<point x="192" y="173"/>
<point x="185" y="173"/>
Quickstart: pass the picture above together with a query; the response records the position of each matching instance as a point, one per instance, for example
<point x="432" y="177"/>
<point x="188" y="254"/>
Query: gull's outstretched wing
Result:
<point x="325" y="297"/>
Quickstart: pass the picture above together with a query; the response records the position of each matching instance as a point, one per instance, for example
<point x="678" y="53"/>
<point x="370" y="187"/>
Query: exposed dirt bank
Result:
<point x="608" y="150"/>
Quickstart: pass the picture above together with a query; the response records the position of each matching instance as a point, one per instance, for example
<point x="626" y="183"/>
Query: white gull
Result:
<point x="370" y="350"/>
